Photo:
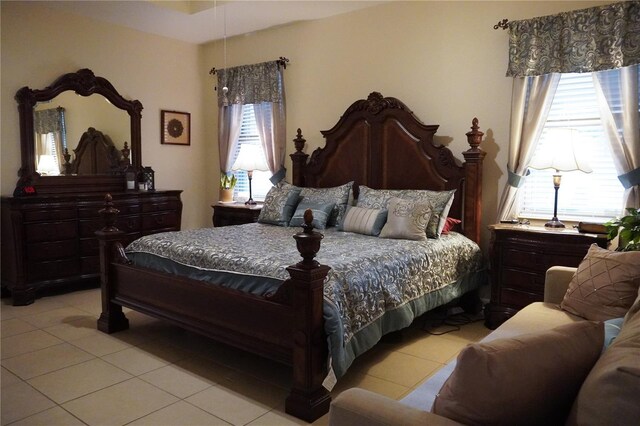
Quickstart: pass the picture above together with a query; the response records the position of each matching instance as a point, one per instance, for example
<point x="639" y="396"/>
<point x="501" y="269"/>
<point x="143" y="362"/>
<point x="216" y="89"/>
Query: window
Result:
<point x="260" y="183"/>
<point x="596" y="196"/>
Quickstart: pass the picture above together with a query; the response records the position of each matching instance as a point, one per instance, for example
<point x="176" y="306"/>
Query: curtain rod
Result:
<point x="504" y="24"/>
<point x="282" y="61"/>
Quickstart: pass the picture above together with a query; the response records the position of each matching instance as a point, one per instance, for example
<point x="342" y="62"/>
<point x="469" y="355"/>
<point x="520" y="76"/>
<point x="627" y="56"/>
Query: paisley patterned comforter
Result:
<point x="375" y="285"/>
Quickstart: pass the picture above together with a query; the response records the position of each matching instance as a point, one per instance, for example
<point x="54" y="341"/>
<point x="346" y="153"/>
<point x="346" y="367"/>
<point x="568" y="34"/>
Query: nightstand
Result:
<point x="225" y="214"/>
<point x="520" y="256"/>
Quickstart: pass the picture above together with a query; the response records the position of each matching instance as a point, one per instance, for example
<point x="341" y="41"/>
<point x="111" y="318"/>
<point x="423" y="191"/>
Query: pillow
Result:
<point x="363" y="221"/>
<point x="338" y="195"/>
<point x="604" y="285"/>
<point x="449" y="225"/>
<point x="321" y="213"/>
<point x="406" y="219"/>
<point x="609" y="394"/>
<point x="441" y="202"/>
<point x="611" y="330"/>
<point x="279" y="204"/>
<point x="528" y="379"/>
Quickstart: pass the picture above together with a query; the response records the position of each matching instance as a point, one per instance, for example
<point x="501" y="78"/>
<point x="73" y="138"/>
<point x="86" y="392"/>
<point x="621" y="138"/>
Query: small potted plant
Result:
<point x="227" y="183"/>
<point x="628" y="228"/>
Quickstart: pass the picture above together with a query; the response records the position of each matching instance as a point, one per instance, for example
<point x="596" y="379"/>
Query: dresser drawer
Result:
<point x="166" y="220"/>
<point x="53" y="231"/>
<point x="52" y="250"/>
<point x="49" y="215"/>
<point x="523" y="280"/>
<point x="161" y="205"/>
<point x="51" y="270"/>
<point x="90" y="265"/>
<point x="126" y="224"/>
<point x="517" y="298"/>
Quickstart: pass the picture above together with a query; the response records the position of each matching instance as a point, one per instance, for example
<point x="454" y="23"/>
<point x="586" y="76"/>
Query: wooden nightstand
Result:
<point x="225" y="214"/>
<point x="520" y="256"/>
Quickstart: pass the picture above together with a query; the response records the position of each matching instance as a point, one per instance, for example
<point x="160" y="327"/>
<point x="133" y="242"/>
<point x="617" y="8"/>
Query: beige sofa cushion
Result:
<point x="611" y="392"/>
<point x="521" y="380"/>
<point x="605" y="284"/>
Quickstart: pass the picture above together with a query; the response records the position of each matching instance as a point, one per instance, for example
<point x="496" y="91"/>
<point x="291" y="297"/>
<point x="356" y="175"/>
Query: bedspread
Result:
<point x="370" y="278"/>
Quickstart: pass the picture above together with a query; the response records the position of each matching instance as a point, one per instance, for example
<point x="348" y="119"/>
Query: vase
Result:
<point x="226" y="195"/>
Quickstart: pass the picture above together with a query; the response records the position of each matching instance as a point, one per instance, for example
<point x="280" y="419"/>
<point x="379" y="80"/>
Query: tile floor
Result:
<point x="57" y="369"/>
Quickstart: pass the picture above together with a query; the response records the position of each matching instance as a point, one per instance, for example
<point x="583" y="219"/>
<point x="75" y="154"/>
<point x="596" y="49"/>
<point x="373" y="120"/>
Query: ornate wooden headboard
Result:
<point x="95" y="154"/>
<point x="380" y="143"/>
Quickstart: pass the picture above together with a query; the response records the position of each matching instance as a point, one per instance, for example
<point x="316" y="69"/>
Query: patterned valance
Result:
<point x="250" y="84"/>
<point x="48" y="120"/>
<point x="587" y="40"/>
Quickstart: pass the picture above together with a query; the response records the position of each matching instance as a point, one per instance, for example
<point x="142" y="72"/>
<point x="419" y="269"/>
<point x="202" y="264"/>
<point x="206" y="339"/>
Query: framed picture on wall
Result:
<point x="175" y="127"/>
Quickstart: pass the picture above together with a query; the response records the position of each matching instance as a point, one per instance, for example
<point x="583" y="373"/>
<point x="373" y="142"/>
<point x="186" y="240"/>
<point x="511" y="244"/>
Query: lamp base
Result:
<point x="554" y="223"/>
<point x="250" y="202"/>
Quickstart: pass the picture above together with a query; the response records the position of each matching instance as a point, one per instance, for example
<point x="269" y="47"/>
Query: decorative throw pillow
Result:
<point x="321" y="213"/>
<point x="529" y="379"/>
<point x="363" y="221"/>
<point x="279" y="204"/>
<point x="337" y="194"/>
<point x="440" y="201"/>
<point x="609" y="394"/>
<point x="449" y="225"/>
<point x="406" y="219"/>
<point x="604" y="285"/>
<point x="611" y="330"/>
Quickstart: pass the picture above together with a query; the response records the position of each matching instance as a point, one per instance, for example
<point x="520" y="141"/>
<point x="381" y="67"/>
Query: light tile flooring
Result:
<point x="57" y="369"/>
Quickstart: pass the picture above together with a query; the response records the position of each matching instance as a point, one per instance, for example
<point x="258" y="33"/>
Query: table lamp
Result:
<point x="250" y="158"/>
<point x="563" y="154"/>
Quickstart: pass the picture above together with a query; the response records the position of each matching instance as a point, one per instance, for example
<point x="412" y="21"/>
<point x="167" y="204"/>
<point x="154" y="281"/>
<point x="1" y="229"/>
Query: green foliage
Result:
<point x="227" y="181"/>
<point x="628" y="227"/>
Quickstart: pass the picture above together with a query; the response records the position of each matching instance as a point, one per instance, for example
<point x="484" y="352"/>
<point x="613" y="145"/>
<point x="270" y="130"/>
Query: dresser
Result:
<point x="225" y="214"/>
<point x="48" y="241"/>
<point x="520" y="256"/>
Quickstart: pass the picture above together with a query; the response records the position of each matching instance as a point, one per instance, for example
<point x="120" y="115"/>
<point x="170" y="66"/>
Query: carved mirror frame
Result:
<point x="84" y="83"/>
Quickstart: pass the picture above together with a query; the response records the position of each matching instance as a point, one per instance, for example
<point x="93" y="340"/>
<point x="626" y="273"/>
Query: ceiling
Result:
<point x="205" y="20"/>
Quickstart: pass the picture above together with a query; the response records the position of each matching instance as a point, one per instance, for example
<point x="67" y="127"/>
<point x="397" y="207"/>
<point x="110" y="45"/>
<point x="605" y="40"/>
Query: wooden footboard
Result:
<point x="286" y="326"/>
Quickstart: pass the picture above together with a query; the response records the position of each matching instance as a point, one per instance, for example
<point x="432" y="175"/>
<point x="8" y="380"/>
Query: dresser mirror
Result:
<point x="78" y="134"/>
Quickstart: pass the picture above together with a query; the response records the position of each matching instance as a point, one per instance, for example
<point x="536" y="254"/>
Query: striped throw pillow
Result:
<point x="363" y="221"/>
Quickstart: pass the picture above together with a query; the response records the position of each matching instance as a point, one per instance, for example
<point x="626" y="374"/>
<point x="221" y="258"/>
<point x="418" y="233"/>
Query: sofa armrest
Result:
<point x="556" y="283"/>
<point x="358" y="407"/>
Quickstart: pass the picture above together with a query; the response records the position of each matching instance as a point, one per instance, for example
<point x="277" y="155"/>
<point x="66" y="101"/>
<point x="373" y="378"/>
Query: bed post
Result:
<point x="299" y="160"/>
<point x="111" y="319"/>
<point x="473" y="183"/>
<point x="308" y="399"/>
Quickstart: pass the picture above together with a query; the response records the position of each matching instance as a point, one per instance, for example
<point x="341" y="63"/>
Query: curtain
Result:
<point x="530" y="103"/>
<point x="587" y="40"/>
<point x="622" y="127"/>
<point x="50" y="121"/>
<point x="263" y="86"/>
<point x="229" y="123"/>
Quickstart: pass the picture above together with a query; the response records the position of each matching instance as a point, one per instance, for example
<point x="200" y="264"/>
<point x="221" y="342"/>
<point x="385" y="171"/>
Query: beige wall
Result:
<point x="38" y="45"/>
<point x="443" y="59"/>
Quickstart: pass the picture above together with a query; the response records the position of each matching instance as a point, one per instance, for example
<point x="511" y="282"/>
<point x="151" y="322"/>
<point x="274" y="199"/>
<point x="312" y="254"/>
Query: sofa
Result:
<point x="609" y="394"/>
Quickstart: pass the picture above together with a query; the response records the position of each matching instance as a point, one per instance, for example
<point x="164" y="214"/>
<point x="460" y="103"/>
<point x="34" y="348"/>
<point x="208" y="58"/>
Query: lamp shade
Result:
<point x="562" y="152"/>
<point x="47" y="165"/>
<point x="250" y="158"/>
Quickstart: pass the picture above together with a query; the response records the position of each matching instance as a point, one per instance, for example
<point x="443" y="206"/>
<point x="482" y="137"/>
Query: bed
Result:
<point x="297" y="313"/>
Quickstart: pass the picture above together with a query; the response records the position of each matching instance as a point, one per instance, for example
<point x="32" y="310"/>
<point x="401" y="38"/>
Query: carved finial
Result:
<point x="308" y="242"/>
<point x="474" y="137"/>
<point x="504" y="24"/>
<point x="299" y="141"/>
<point x="109" y="214"/>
